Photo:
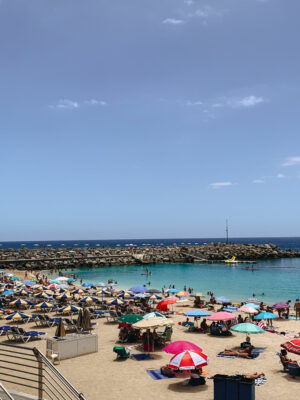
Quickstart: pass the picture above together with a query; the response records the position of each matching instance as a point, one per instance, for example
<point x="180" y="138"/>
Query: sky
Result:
<point x="149" y="118"/>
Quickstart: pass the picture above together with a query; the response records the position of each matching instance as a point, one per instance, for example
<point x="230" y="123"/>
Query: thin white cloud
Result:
<point x="250" y="101"/>
<point x="189" y="2"/>
<point x="281" y="176"/>
<point x="291" y="161"/>
<point x="193" y="103"/>
<point x="217" y="185"/>
<point x="258" y="181"/>
<point x="173" y="21"/>
<point x="65" y="104"/>
<point x="94" y="102"/>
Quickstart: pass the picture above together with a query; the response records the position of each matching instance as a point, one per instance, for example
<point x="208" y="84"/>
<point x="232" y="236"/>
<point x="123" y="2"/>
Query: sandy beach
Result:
<point x="101" y="375"/>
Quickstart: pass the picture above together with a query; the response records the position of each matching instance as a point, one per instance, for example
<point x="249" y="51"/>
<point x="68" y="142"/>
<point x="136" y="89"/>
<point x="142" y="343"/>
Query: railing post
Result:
<point x="40" y="369"/>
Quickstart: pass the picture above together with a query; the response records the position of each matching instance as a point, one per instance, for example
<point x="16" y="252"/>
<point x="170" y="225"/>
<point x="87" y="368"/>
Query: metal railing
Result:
<point x="7" y="394"/>
<point x="29" y="369"/>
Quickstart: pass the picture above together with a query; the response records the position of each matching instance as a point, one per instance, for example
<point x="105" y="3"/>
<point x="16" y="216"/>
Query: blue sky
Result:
<point x="149" y="118"/>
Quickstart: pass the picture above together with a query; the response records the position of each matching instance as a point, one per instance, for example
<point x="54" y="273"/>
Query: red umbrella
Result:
<point x="221" y="316"/>
<point x="163" y="305"/>
<point x="293" y="346"/>
<point x="179" y="346"/>
<point x="188" y="360"/>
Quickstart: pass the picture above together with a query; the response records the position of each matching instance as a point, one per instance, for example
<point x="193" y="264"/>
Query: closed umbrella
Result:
<point x="79" y="319"/>
<point x="60" y="330"/>
<point x="188" y="360"/>
<point x="179" y="346"/>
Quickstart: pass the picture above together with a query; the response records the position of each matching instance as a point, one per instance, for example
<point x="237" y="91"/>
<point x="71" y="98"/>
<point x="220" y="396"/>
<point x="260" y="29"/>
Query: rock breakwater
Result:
<point x="48" y="259"/>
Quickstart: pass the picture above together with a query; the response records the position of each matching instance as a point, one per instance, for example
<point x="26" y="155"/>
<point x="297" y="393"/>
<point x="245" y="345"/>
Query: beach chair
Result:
<point x="20" y="334"/>
<point x="4" y="329"/>
<point x="166" y="335"/>
<point x="70" y="325"/>
<point x="121" y="352"/>
<point x="112" y="317"/>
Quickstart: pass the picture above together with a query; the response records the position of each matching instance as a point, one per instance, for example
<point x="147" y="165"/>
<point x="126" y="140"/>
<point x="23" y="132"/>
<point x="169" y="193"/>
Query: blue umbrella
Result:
<point x="223" y="300"/>
<point x="230" y="309"/>
<point x="154" y="314"/>
<point x="62" y="286"/>
<point x="173" y="290"/>
<point x="55" y="281"/>
<point x="28" y="283"/>
<point x="265" y="315"/>
<point x="140" y="295"/>
<point x="138" y="289"/>
<point x="7" y="293"/>
<point x="197" y="313"/>
<point x="87" y="284"/>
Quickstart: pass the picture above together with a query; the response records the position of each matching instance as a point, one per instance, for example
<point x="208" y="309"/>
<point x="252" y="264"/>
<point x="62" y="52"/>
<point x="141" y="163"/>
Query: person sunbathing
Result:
<point x="255" y="375"/>
<point x="245" y="353"/>
<point x="167" y="371"/>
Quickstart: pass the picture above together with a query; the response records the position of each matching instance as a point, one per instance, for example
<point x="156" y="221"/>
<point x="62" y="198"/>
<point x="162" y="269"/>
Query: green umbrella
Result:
<point x="130" y="318"/>
<point x="247" y="328"/>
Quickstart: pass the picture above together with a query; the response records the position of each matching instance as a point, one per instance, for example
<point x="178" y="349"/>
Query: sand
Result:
<point x="100" y="375"/>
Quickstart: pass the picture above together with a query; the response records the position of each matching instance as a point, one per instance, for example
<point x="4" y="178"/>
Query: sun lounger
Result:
<point x="121" y="352"/>
<point x="4" y="329"/>
<point x="70" y="325"/>
<point x="20" y="334"/>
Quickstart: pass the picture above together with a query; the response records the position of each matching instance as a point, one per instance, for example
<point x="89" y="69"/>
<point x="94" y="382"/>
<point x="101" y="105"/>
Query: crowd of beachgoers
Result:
<point x="145" y="322"/>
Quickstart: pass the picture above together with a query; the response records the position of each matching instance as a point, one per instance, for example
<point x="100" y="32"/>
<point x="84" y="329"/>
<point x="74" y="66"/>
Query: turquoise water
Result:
<point x="279" y="280"/>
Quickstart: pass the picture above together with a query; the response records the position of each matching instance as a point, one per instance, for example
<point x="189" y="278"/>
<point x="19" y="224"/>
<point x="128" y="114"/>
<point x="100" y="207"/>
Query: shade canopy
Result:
<point x="181" y="345"/>
<point x="154" y="322"/>
<point x="188" y="360"/>
<point x="247" y="328"/>
<point x="197" y="313"/>
<point x="293" y="346"/>
<point x="221" y="316"/>
<point x="265" y="315"/>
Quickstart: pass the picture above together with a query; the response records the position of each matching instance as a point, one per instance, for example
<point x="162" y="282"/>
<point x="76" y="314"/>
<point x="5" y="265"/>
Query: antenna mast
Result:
<point x="226" y="231"/>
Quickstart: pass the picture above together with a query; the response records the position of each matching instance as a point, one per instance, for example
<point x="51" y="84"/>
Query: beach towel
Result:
<point x="258" y="350"/>
<point x="260" y="381"/>
<point x="142" y="356"/>
<point x="156" y="374"/>
<point x="255" y="355"/>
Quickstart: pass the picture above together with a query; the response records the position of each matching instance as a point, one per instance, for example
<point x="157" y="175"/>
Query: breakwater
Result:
<point x="41" y="259"/>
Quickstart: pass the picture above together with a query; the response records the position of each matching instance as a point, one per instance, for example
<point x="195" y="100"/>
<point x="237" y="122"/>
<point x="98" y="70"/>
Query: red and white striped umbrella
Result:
<point x="293" y="346"/>
<point x="188" y="359"/>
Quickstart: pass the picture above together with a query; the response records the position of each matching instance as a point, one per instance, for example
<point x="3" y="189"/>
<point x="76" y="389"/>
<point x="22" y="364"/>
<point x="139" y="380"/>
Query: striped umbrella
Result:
<point x="60" y="291"/>
<point x="23" y="292"/>
<point x="116" y="302"/>
<point x="154" y="297"/>
<point x="65" y="297"/>
<point x="17" y="317"/>
<point x="293" y="346"/>
<point x="126" y="295"/>
<point x="44" y="304"/>
<point x="19" y="302"/>
<point x="188" y="360"/>
<point x="70" y="309"/>
<point x="60" y="331"/>
<point x="89" y="299"/>
<point x="102" y="293"/>
<point x="42" y="295"/>
<point x="182" y="293"/>
<point x="79" y="291"/>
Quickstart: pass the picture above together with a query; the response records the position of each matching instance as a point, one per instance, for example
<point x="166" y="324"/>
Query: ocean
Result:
<point x="273" y="281"/>
<point x="282" y="242"/>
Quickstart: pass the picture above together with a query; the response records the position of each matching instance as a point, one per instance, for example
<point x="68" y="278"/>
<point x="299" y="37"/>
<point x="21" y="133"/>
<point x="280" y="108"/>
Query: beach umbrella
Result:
<point x="249" y="310"/>
<point x="221" y="316"/>
<point x="154" y="314"/>
<point x="15" y="278"/>
<point x="102" y="293"/>
<point x="126" y="295"/>
<point x="60" y="290"/>
<point x="179" y="346"/>
<point x="197" y="313"/>
<point x="253" y="300"/>
<point x="265" y="315"/>
<point x="138" y="289"/>
<point x="229" y="308"/>
<point x="70" y="309"/>
<point x="17" y="317"/>
<point x="23" y="292"/>
<point x="19" y="302"/>
<point x="154" y="322"/>
<point x="140" y="295"/>
<point x="44" y="305"/>
<point x="62" y="278"/>
<point x="188" y="360"/>
<point x="64" y="297"/>
<point x="154" y="297"/>
<point x="63" y="286"/>
<point x="101" y="284"/>
<point x="42" y="295"/>
<point x="79" y="291"/>
<point x="87" y="284"/>
<point x="292" y="346"/>
<point x="9" y="274"/>
<point x="253" y="305"/>
<point x="198" y="294"/>
<point x="86" y="320"/>
<point x="247" y="328"/>
<point x="7" y="293"/>
<point x="52" y="286"/>
<point x="153" y="291"/>
<point x="28" y="283"/>
<point x="55" y="282"/>
<point x="173" y="290"/>
<point x="89" y="299"/>
<point x="223" y="300"/>
<point x="116" y="302"/>
<point x="130" y="318"/>
<point x="39" y="287"/>
<point x="182" y="293"/>
<point x="279" y="306"/>
<point x="60" y="330"/>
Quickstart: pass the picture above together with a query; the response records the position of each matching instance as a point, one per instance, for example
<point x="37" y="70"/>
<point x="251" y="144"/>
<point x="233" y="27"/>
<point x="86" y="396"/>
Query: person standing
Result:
<point x="297" y="308"/>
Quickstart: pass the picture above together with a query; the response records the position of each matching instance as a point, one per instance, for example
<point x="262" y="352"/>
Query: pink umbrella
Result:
<point x="179" y="346"/>
<point x="249" y="310"/>
<point x="188" y="360"/>
<point x="221" y="316"/>
<point x="279" y="306"/>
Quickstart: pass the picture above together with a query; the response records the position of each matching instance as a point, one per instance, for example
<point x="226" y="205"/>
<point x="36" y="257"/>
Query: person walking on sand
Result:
<point x="297" y="308"/>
